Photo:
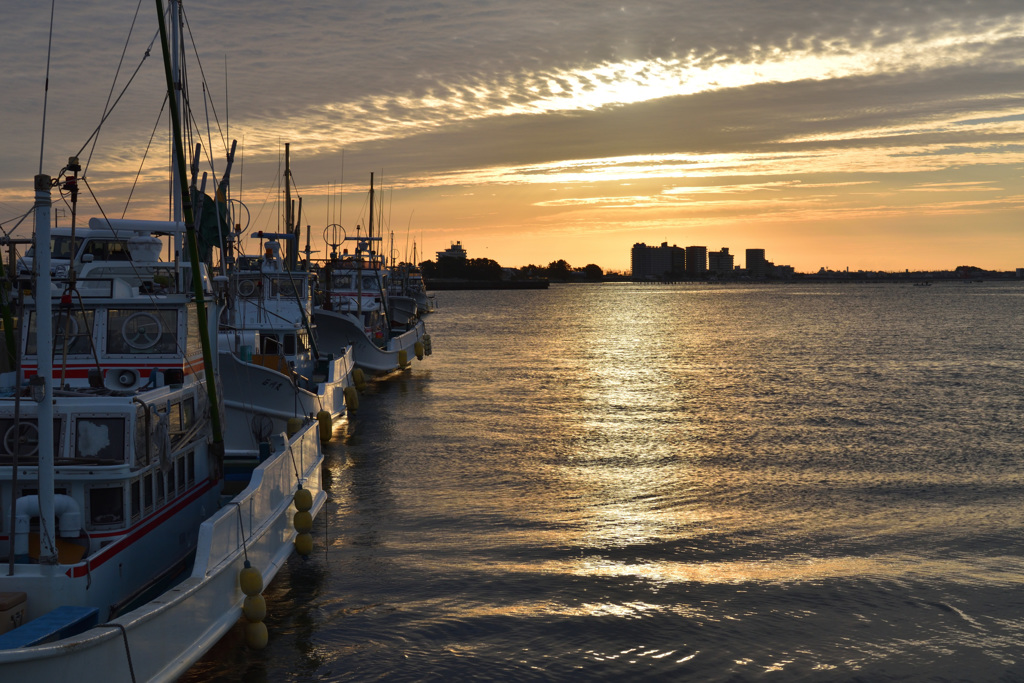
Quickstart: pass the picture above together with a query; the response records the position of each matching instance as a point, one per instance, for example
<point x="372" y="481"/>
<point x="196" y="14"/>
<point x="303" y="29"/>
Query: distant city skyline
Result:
<point x="876" y="135"/>
<point x="719" y="261"/>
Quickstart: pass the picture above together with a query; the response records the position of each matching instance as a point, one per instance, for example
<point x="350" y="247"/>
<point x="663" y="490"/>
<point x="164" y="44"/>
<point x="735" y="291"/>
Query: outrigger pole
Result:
<point x="190" y="234"/>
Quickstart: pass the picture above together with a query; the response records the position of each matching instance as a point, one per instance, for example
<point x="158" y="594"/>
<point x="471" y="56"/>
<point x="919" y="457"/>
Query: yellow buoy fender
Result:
<point x="403" y="358"/>
<point x="303" y="499"/>
<point x="304" y="544"/>
<point x="359" y="379"/>
<point x="294" y="425"/>
<point x="254" y="608"/>
<point x="256" y="635"/>
<point x="351" y="398"/>
<point x="250" y="580"/>
<point x="303" y="521"/>
<point x="418" y="347"/>
<point x="326" y="426"/>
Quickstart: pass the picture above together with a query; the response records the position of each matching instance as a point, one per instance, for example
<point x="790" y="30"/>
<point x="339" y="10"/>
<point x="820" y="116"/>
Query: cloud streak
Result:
<point x="568" y="114"/>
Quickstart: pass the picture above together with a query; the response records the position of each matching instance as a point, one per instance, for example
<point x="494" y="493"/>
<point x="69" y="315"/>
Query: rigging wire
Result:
<point x="202" y="75"/>
<point x="20" y="219"/>
<point x="117" y="72"/>
<point x="145" y="154"/>
<point x="46" y="85"/>
<point x="106" y="115"/>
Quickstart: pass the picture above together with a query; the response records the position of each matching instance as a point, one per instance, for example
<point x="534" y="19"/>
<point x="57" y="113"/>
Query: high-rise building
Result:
<point x="657" y="263"/>
<point x="696" y="260"/>
<point x="757" y="264"/>
<point x="720" y="262"/>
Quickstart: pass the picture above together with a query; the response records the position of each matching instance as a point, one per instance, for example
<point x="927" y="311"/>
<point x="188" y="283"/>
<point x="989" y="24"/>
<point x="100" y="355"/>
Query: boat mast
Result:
<point x="176" y="95"/>
<point x="193" y="247"/>
<point x="44" y="373"/>
<point x="371" y="232"/>
<point x="359" y="260"/>
<point x="289" y="227"/>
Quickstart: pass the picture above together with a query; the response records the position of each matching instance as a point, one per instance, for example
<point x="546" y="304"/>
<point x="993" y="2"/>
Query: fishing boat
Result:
<point x="357" y="308"/>
<point x="408" y="283"/>
<point x="125" y="557"/>
<point x="272" y="367"/>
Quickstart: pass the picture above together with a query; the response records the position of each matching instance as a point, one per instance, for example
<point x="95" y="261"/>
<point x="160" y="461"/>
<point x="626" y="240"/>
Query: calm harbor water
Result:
<point x="693" y="482"/>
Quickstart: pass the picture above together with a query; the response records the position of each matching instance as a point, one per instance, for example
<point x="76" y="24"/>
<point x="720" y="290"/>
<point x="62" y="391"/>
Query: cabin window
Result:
<point x="341" y="281"/>
<point x="370" y="283"/>
<point x="136" y="331"/>
<point x="71" y="327"/>
<point x="147" y="492"/>
<point x="161" y="488"/>
<point x="179" y="470"/>
<point x="28" y="441"/>
<point x="108" y="250"/>
<point x="289" y="344"/>
<point x="136" y="500"/>
<point x="180" y="418"/>
<point x="190" y="466"/>
<point x="193" y="343"/>
<point x="60" y="247"/>
<point x="100" y="438"/>
<point x="106" y="506"/>
<point x="188" y="412"/>
<point x="174" y="421"/>
<point x="269" y="345"/>
<point x="141" y="439"/>
<point x="282" y="286"/>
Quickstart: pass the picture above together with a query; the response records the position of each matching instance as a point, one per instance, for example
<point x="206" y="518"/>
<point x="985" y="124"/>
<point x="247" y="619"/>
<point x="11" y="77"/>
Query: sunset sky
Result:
<point x="863" y="135"/>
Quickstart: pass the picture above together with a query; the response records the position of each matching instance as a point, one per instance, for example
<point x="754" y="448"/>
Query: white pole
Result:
<point x="44" y="346"/>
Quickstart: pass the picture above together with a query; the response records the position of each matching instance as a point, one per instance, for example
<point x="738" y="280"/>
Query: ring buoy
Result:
<point x="137" y="334"/>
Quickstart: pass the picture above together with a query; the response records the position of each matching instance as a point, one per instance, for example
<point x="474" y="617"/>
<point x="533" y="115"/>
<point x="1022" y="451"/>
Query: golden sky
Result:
<point x="868" y="135"/>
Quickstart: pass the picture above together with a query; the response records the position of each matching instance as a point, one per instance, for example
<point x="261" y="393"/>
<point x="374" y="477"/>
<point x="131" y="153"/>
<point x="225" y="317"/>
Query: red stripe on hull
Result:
<point x="136" y="532"/>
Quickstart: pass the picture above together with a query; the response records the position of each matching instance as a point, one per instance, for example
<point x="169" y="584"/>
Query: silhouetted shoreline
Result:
<point x="446" y="284"/>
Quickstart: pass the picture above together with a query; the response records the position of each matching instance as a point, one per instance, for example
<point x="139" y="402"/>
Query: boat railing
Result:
<point x="269" y="492"/>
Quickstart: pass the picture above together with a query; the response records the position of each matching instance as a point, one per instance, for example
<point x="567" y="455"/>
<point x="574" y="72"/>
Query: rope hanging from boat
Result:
<point x="127" y="650"/>
<point x="241" y="531"/>
<point x="295" y="465"/>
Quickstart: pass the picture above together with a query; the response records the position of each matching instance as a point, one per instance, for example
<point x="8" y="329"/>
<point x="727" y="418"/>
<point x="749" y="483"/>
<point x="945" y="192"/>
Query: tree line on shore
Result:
<point x="486" y="270"/>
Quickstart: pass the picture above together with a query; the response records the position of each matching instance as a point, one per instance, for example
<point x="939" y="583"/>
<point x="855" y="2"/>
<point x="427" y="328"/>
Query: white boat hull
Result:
<point x="402" y="309"/>
<point x="336" y="330"/>
<point x="252" y="391"/>
<point x="163" y="638"/>
<point x="140" y="556"/>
